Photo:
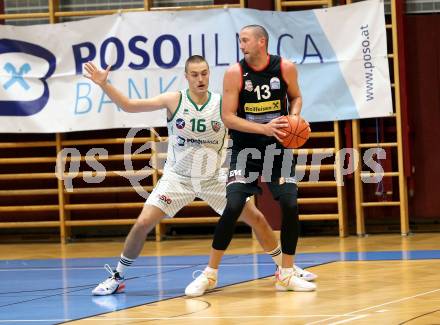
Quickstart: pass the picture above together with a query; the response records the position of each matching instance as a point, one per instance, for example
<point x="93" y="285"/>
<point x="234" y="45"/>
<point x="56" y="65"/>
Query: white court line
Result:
<point x="89" y="268"/>
<point x="34" y="320"/>
<point x="348" y="320"/>
<point x="212" y="317"/>
<point x="134" y="267"/>
<point x="376" y="306"/>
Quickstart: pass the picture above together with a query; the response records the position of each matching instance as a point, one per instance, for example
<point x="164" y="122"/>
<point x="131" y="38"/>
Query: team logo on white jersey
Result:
<point x="248" y="85"/>
<point x="180" y="123"/>
<point x="180" y="141"/>
<point x="164" y="198"/>
<point x="216" y="126"/>
<point x="275" y="83"/>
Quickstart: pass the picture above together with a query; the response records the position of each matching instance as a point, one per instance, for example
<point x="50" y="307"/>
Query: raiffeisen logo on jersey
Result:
<point x="24" y="70"/>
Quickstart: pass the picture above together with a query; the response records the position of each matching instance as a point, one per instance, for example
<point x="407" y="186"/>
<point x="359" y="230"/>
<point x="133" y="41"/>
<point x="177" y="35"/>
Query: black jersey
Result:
<point x="263" y="97"/>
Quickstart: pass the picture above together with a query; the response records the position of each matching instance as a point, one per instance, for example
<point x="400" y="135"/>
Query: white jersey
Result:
<point x="196" y="136"/>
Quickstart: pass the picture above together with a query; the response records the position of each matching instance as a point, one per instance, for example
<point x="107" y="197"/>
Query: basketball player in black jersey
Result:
<point x="257" y="92"/>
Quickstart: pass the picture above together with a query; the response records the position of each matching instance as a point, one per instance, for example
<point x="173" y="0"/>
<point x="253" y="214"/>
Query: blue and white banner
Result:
<point x="340" y="53"/>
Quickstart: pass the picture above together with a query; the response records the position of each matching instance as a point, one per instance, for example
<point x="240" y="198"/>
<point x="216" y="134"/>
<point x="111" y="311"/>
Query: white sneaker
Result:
<point x="114" y="284"/>
<point x="204" y="282"/>
<point x="304" y="274"/>
<point x="291" y="282"/>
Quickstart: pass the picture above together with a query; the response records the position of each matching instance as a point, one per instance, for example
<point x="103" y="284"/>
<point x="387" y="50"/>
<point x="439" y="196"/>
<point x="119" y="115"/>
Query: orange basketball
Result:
<point x="297" y="133"/>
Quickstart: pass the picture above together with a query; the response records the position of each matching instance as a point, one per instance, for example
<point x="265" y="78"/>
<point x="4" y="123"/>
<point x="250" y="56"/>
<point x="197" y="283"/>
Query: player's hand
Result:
<point x="275" y="126"/>
<point x="308" y="124"/>
<point x="301" y="118"/>
<point x="99" y="77"/>
<point x="310" y="130"/>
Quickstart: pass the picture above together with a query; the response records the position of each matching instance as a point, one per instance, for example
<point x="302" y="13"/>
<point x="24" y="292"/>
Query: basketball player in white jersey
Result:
<point x="195" y="131"/>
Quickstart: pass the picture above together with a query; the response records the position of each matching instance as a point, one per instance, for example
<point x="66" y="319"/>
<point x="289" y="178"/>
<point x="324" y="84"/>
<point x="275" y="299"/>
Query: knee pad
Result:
<point x="289" y="224"/>
<point x="226" y="225"/>
<point x="288" y="203"/>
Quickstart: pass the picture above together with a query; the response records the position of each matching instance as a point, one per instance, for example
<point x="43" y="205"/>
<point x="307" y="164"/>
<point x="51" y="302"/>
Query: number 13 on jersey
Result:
<point x="262" y="92"/>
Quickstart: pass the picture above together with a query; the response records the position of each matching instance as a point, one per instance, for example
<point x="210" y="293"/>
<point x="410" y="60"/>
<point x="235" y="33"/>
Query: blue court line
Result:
<point x="58" y="290"/>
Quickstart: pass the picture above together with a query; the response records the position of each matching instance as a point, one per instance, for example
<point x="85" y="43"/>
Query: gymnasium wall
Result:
<point x="423" y="86"/>
<point x="20" y="6"/>
<point x="422" y="65"/>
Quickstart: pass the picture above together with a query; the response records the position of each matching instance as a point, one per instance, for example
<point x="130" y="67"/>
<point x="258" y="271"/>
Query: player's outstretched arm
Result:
<point x="231" y="90"/>
<point x="100" y="77"/>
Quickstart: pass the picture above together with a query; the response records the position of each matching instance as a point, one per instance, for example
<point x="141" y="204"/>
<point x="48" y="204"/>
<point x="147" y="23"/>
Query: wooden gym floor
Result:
<point x="381" y="279"/>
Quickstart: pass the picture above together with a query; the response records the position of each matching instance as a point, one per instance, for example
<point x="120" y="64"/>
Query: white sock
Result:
<point x="286" y="271"/>
<point x="276" y="255"/>
<point x="211" y="271"/>
<point x="123" y="264"/>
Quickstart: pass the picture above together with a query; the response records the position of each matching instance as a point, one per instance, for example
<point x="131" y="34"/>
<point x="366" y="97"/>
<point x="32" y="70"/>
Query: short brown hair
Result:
<point x="195" y="59"/>
<point x="259" y="31"/>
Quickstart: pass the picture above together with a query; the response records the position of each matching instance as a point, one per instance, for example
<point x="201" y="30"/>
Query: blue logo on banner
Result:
<point x="17" y="77"/>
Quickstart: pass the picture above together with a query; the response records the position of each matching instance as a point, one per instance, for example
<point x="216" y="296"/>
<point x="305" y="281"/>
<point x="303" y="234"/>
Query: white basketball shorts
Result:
<point x="173" y="192"/>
